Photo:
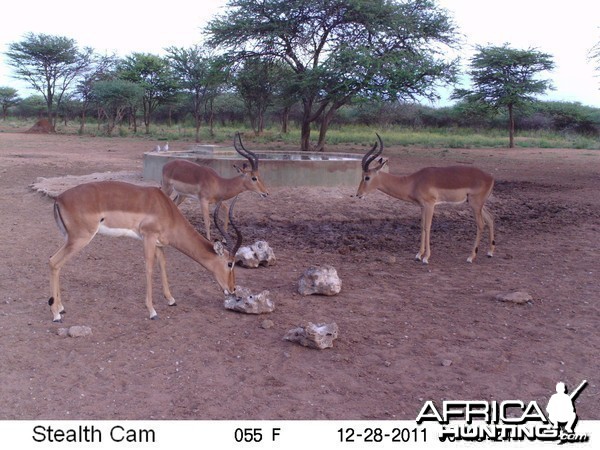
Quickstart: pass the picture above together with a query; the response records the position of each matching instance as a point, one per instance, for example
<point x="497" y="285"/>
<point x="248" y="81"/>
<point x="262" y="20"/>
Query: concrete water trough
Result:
<point x="276" y="168"/>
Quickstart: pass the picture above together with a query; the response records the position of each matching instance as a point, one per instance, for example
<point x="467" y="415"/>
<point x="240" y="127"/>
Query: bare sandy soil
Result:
<point x="408" y="332"/>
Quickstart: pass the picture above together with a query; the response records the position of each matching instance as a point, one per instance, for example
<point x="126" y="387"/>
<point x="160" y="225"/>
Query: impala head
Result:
<point x="225" y="274"/>
<point x="252" y="179"/>
<point x="369" y="181"/>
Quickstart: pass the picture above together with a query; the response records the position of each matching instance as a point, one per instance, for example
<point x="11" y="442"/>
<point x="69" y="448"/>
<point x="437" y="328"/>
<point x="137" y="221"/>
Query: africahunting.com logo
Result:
<point x="510" y="420"/>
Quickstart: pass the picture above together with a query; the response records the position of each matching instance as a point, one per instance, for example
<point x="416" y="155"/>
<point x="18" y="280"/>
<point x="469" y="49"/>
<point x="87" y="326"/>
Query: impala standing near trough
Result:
<point x="189" y="179"/>
<point x="429" y="187"/>
<point x="117" y="209"/>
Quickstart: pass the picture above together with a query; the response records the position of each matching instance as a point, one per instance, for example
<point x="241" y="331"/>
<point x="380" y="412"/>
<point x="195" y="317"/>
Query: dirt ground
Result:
<point x="408" y="332"/>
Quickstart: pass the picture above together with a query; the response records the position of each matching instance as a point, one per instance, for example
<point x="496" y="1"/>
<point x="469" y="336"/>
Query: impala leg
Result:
<point x="178" y="199"/>
<point x="57" y="261"/>
<point x="162" y="263"/>
<point x="425" y="250"/>
<point x="226" y="220"/>
<point x="480" y="225"/>
<point x="206" y="215"/>
<point x="150" y="254"/>
<point x="489" y="219"/>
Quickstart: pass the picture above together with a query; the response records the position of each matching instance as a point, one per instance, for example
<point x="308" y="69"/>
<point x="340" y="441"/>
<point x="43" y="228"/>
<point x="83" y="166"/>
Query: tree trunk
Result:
<point x="82" y="122"/>
<point x="511" y="127"/>
<point x="146" y="106"/>
<point x="261" y="122"/>
<point x="198" y="120"/>
<point x="285" y="120"/>
<point x="49" y="103"/>
<point x="305" y="136"/>
<point x="327" y="118"/>
<point x="211" y="118"/>
<point x="305" y="126"/>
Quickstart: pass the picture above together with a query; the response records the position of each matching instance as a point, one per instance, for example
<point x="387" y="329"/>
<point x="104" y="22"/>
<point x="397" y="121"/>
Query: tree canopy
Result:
<point x="8" y="97"/>
<point x="154" y="75"/>
<point x="49" y="64"/>
<point x="340" y="49"/>
<point x="116" y="97"/>
<point x="505" y="77"/>
<point x="198" y="73"/>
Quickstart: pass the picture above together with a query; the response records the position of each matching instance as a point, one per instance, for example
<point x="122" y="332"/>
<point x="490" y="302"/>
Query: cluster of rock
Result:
<point x="315" y="280"/>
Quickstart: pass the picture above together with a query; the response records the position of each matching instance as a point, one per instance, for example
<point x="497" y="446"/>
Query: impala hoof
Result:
<point x="490" y="254"/>
<point x="173" y="304"/>
<point x="469" y="259"/>
<point x="57" y="320"/>
<point x="154" y="317"/>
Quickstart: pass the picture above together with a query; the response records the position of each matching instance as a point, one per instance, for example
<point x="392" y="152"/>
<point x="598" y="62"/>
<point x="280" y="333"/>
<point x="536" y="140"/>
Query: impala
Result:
<point x="188" y="179"/>
<point x="115" y="208"/>
<point x="431" y="186"/>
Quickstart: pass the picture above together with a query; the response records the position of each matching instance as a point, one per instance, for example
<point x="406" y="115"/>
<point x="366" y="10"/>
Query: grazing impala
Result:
<point x="189" y="179"/>
<point x="115" y="208"/>
<point x="429" y="187"/>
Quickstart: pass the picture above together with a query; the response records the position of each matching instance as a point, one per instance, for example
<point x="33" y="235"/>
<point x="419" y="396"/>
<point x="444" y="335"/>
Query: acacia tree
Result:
<point x="594" y="56"/>
<point x="8" y="97"/>
<point x="49" y="64"/>
<point x="153" y="74"/>
<point x="115" y="98"/>
<point x="102" y="69"/>
<point x="257" y="83"/>
<point x="192" y="68"/>
<point x="504" y="77"/>
<point x="338" y="49"/>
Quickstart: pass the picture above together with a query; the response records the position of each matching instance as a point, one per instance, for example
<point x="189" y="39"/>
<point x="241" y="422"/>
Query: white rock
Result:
<point x="518" y="297"/>
<point x="320" y="280"/>
<point x="245" y="257"/>
<point x="246" y="302"/>
<point x="258" y="254"/>
<point x="317" y="336"/>
<point x="75" y="331"/>
<point x="264" y="253"/>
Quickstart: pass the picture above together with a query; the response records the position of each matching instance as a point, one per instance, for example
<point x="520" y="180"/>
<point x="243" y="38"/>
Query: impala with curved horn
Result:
<point x="188" y="179"/>
<point x="429" y="187"/>
<point x="115" y="208"/>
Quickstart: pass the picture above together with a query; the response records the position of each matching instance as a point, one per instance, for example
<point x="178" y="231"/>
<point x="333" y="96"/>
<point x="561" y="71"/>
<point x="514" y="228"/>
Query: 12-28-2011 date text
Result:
<point x="406" y="435"/>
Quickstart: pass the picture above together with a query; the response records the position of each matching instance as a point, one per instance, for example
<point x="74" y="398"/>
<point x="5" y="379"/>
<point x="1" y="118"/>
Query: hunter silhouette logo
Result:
<point x="508" y="420"/>
<point x="561" y="407"/>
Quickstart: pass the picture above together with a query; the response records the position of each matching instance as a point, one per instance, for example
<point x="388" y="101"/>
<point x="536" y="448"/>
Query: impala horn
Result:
<point x="238" y="243"/>
<point x="250" y="156"/>
<point x="372" y="154"/>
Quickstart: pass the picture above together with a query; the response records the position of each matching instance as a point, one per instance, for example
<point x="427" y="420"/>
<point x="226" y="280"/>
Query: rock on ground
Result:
<point x="246" y="302"/>
<point x="258" y="254"/>
<point x="320" y="280"/>
<point x="319" y="336"/>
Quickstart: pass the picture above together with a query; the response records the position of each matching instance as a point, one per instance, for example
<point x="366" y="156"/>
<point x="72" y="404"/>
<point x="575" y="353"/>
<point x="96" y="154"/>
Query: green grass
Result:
<point x="347" y="135"/>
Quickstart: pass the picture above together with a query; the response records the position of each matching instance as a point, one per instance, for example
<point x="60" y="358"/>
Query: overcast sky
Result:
<point x="565" y="30"/>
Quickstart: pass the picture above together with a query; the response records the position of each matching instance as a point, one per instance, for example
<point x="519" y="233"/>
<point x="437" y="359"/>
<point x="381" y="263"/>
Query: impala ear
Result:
<point x="382" y="163"/>
<point x="219" y="248"/>
<point x="243" y="169"/>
